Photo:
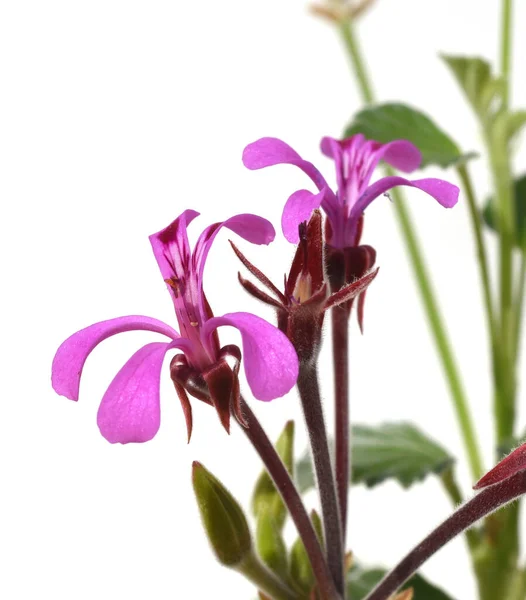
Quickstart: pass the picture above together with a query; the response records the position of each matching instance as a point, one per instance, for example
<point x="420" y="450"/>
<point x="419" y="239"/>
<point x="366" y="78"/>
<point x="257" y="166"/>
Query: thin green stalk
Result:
<point x="357" y="62"/>
<point x="505" y="49"/>
<point x="476" y="222"/>
<point x="423" y="280"/>
<point x="505" y="401"/>
<point x="255" y="571"/>
<point x="519" y="303"/>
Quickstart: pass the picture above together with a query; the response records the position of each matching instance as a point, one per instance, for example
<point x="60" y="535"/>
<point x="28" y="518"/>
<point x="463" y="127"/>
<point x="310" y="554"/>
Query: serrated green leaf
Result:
<point x="266" y="497"/>
<point x="482" y="89"/>
<point x="397" y="451"/>
<point x="489" y="211"/>
<point x="361" y="581"/>
<point x="387" y="122"/>
<point x="270" y="545"/>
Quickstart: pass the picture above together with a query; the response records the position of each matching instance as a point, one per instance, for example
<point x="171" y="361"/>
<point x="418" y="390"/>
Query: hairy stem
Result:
<point x="292" y="499"/>
<point x="340" y="352"/>
<point x="485" y="502"/>
<point x="309" y="391"/>
<point x="264" y="579"/>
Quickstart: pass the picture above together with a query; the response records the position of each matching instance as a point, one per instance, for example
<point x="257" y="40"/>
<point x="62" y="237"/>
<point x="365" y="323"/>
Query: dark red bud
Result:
<point x="509" y="466"/>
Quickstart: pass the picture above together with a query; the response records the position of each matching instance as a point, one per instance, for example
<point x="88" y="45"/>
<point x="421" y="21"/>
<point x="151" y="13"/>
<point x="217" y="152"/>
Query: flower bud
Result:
<point x="224" y="520"/>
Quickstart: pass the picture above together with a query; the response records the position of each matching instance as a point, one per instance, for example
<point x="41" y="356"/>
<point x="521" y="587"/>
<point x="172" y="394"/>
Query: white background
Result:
<point x="114" y="117"/>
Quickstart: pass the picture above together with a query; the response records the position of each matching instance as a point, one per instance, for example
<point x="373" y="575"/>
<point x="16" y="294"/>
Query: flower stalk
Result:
<point x="342" y="442"/>
<point x="292" y="499"/>
<point x="485" y="502"/>
<point x="309" y="390"/>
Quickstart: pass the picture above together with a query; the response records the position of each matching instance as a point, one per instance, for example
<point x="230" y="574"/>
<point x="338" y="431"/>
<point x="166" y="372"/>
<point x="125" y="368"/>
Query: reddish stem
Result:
<point x="484" y="503"/>
<point x="292" y="500"/>
<point x="340" y="351"/>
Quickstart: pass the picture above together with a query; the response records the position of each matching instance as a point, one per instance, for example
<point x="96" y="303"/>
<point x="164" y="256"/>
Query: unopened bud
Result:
<point x="224" y="520"/>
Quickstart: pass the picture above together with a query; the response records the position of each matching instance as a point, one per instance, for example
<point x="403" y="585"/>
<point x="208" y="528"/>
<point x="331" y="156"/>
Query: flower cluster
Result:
<point x="130" y="408"/>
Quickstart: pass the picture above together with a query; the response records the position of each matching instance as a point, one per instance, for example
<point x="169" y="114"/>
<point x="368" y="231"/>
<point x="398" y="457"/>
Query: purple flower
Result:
<point x="355" y="159"/>
<point x="130" y="408"/>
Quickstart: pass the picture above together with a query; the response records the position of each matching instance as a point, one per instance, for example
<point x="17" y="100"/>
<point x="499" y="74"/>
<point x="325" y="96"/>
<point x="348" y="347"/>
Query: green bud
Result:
<point x="224" y="521"/>
<point x="266" y="497"/>
<point x="270" y="545"/>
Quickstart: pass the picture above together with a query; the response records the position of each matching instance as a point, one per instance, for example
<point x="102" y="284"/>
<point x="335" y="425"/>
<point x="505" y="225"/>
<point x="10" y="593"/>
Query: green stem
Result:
<point x="357" y="62"/>
<point x="254" y="570"/>
<point x="441" y="339"/>
<point x="505" y="50"/>
<point x="476" y="222"/>
<point x="519" y="303"/>
<point x="423" y="281"/>
<point x="505" y="398"/>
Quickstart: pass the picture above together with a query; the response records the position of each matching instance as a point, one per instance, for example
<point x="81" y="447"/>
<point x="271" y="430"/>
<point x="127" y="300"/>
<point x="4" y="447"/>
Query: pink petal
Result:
<point x="130" y="409"/>
<point x="269" y="359"/>
<point x="298" y="209"/>
<point x="171" y="247"/>
<point x="443" y="192"/>
<point x="513" y="463"/>
<point x="401" y="155"/>
<point x="72" y="354"/>
<point x="252" y="228"/>
<point x="268" y="151"/>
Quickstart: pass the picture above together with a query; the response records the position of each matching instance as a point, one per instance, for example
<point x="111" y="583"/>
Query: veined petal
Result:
<point x="130" y="409"/>
<point x="400" y="154"/>
<point x="171" y="247"/>
<point x="269" y="151"/>
<point x="252" y="228"/>
<point x="269" y="359"/>
<point x="299" y="208"/>
<point x="443" y="192"/>
<point x="72" y="354"/>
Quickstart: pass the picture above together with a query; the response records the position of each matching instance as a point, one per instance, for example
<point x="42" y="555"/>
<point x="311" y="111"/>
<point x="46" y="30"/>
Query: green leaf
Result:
<point x="266" y="497"/>
<point x="361" y="581"/>
<point x="482" y="89"/>
<point x="489" y="213"/>
<point x="270" y="545"/>
<point x="397" y="451"/>
<point x="388" y="122"/>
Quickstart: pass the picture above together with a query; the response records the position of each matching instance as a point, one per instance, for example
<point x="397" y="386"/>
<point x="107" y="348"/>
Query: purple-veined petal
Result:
<point x="72" y="354"/>
<point x="252" y="228"/>
<point x="269" y="151"/>
<point x="298" y="209"/>
<point x="269" y="359"/>
<point x="400" y="154"/>
<point x="130" y="409"/>
<point x="171" y="247"/>
<point x="443" y="192"/>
